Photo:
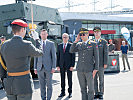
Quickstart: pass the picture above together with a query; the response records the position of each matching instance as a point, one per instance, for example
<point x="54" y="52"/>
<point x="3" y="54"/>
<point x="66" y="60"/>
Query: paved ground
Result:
<point x="118" y="86"/>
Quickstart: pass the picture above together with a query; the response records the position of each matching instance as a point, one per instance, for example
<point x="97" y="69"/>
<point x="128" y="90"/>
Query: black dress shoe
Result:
<point x="100" y="96"/>
<point x="96" y="96"/>
<point x="70" y="95"/>
<point x="1" y="88"/>
<point x="62" y="95"/>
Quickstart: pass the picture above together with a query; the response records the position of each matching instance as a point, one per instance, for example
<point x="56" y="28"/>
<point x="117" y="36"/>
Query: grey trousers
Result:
<point x="99" y="78"/>
<point x="45" y="80"/>
<point x="124" y="56"/>
<point x="1" y="83"/>
<point x="20" y="97"/>
<point x="86" y="83"/>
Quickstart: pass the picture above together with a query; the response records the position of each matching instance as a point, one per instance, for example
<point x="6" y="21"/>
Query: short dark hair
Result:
<point x="43" y="30"/>
<point x="16" y="28"/>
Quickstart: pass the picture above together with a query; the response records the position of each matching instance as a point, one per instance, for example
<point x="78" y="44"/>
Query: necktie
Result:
<point x="64" y="48"/>
<point x="43" y="45"/>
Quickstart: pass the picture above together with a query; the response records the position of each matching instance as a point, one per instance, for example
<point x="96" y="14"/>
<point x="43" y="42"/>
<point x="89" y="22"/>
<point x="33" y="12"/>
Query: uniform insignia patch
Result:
<point x="97" y="46"/>
<point x="100" y="40"/>
<point x="89" y="42"/>
<point x="89" y="46"/>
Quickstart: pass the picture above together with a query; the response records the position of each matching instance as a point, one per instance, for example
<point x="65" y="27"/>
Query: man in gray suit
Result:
<point x="16" y="53"/>
<point x="45" y="65"/>
<point x="87" y="65"/>
<point x="103" y="58"/>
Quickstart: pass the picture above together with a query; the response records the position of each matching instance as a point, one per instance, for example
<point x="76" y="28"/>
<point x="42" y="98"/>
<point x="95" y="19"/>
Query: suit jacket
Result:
<point x="65" y="59"/>
<point x="16" y="53"/>
<point x="103" y="52"/>
<point x="88" y="56"/>
<point x="48" y="60"/>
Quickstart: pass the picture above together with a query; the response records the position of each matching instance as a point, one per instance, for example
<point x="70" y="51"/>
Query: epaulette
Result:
<point x="93" y="41"/>
<point x="103" y="39"/>
<point x="79" y="43"/>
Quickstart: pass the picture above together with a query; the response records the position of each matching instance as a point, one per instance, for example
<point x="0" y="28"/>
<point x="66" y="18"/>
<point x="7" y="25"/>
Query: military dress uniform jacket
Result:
<point x="17" y="53"/>
<point x="88" y="57"/>
<point x="103" y="52"/>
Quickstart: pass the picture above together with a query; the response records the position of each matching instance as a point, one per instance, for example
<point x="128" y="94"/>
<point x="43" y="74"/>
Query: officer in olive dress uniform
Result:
<point x="103" y="58"/>
<point x="87" y="65"/>
<point x="16" y="53"/>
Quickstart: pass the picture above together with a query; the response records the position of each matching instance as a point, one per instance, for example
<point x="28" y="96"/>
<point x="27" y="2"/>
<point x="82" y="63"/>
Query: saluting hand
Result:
<point x="77" y="39"/>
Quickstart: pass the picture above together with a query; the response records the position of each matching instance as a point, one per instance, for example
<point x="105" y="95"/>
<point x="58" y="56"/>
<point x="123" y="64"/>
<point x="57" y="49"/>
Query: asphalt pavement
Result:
<point x="118" y="86"/>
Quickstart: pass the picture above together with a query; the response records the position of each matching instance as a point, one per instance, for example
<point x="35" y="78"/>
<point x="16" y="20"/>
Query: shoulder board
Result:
<point x="92" y="41"/>
<point x="79" y="43"/>
<point x="103" y="39"/>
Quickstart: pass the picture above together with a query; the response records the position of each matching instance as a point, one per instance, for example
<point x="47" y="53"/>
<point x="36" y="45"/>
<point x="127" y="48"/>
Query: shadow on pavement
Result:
<point x="123" y="71"/>
<point x="110" y="73"/>
<point x="36" y="83"/>
<point x="61" y="98"/>
<point x="55" y="82"/>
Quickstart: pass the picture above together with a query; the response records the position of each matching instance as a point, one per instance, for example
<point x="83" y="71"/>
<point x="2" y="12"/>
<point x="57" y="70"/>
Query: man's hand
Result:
<point x="53" y="70"/>
<point x="94" y="73"/>
<point x="71" y="69"/>
<point x="105" y="66"/>
<point x="35" y="71"/>
<point x="77" y="39"/>
<point x="58" y="68"/>
<point x="35" y="35"/>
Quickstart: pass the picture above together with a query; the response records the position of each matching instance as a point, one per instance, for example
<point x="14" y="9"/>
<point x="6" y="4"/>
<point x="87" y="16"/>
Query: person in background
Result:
<point x="2" y="39"/>
<point x="88" y="63"/>
<point x="65" y="63"/>
<point x="103" y="58"/>
<point x="124" y="51"/>
<point x="111" y="46"/>
<point x="45" y="66"/>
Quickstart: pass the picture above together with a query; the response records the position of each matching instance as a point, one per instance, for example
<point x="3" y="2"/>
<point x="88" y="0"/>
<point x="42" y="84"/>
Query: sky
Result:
<point x="81" y="5"/>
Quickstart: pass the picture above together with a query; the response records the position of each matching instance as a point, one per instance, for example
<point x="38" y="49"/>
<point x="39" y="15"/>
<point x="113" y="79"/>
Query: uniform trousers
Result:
<point x="1" y="83"/>
<point x="86" y="83"/>
<point x="20" y="97"/>
<point x="124" y="56"/>
<point x="99" y="78"/>
<point x="45" y="80"/>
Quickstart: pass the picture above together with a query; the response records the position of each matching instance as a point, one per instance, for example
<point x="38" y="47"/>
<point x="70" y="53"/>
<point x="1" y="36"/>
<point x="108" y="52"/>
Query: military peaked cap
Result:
<point x="97" y="29"/>
<point x="83" y="30"/>
<point x="20" y="23"/>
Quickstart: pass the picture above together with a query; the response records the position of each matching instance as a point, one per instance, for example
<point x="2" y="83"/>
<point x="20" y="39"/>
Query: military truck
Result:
<point x="44" y="17"/>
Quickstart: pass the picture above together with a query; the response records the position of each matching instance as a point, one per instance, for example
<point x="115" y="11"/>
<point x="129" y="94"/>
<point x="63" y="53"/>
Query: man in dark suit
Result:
<point x="65" y="63"/>
<point x="16" y="53"/>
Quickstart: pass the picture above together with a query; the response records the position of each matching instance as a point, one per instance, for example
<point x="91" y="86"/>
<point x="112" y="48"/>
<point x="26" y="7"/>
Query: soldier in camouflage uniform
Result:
<point x="103" y="58"/>
<point x="87" y="65"/>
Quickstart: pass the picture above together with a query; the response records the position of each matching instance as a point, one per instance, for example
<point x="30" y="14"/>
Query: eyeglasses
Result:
<point x="82" y="34"/>
<point x="65" y="37"/>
